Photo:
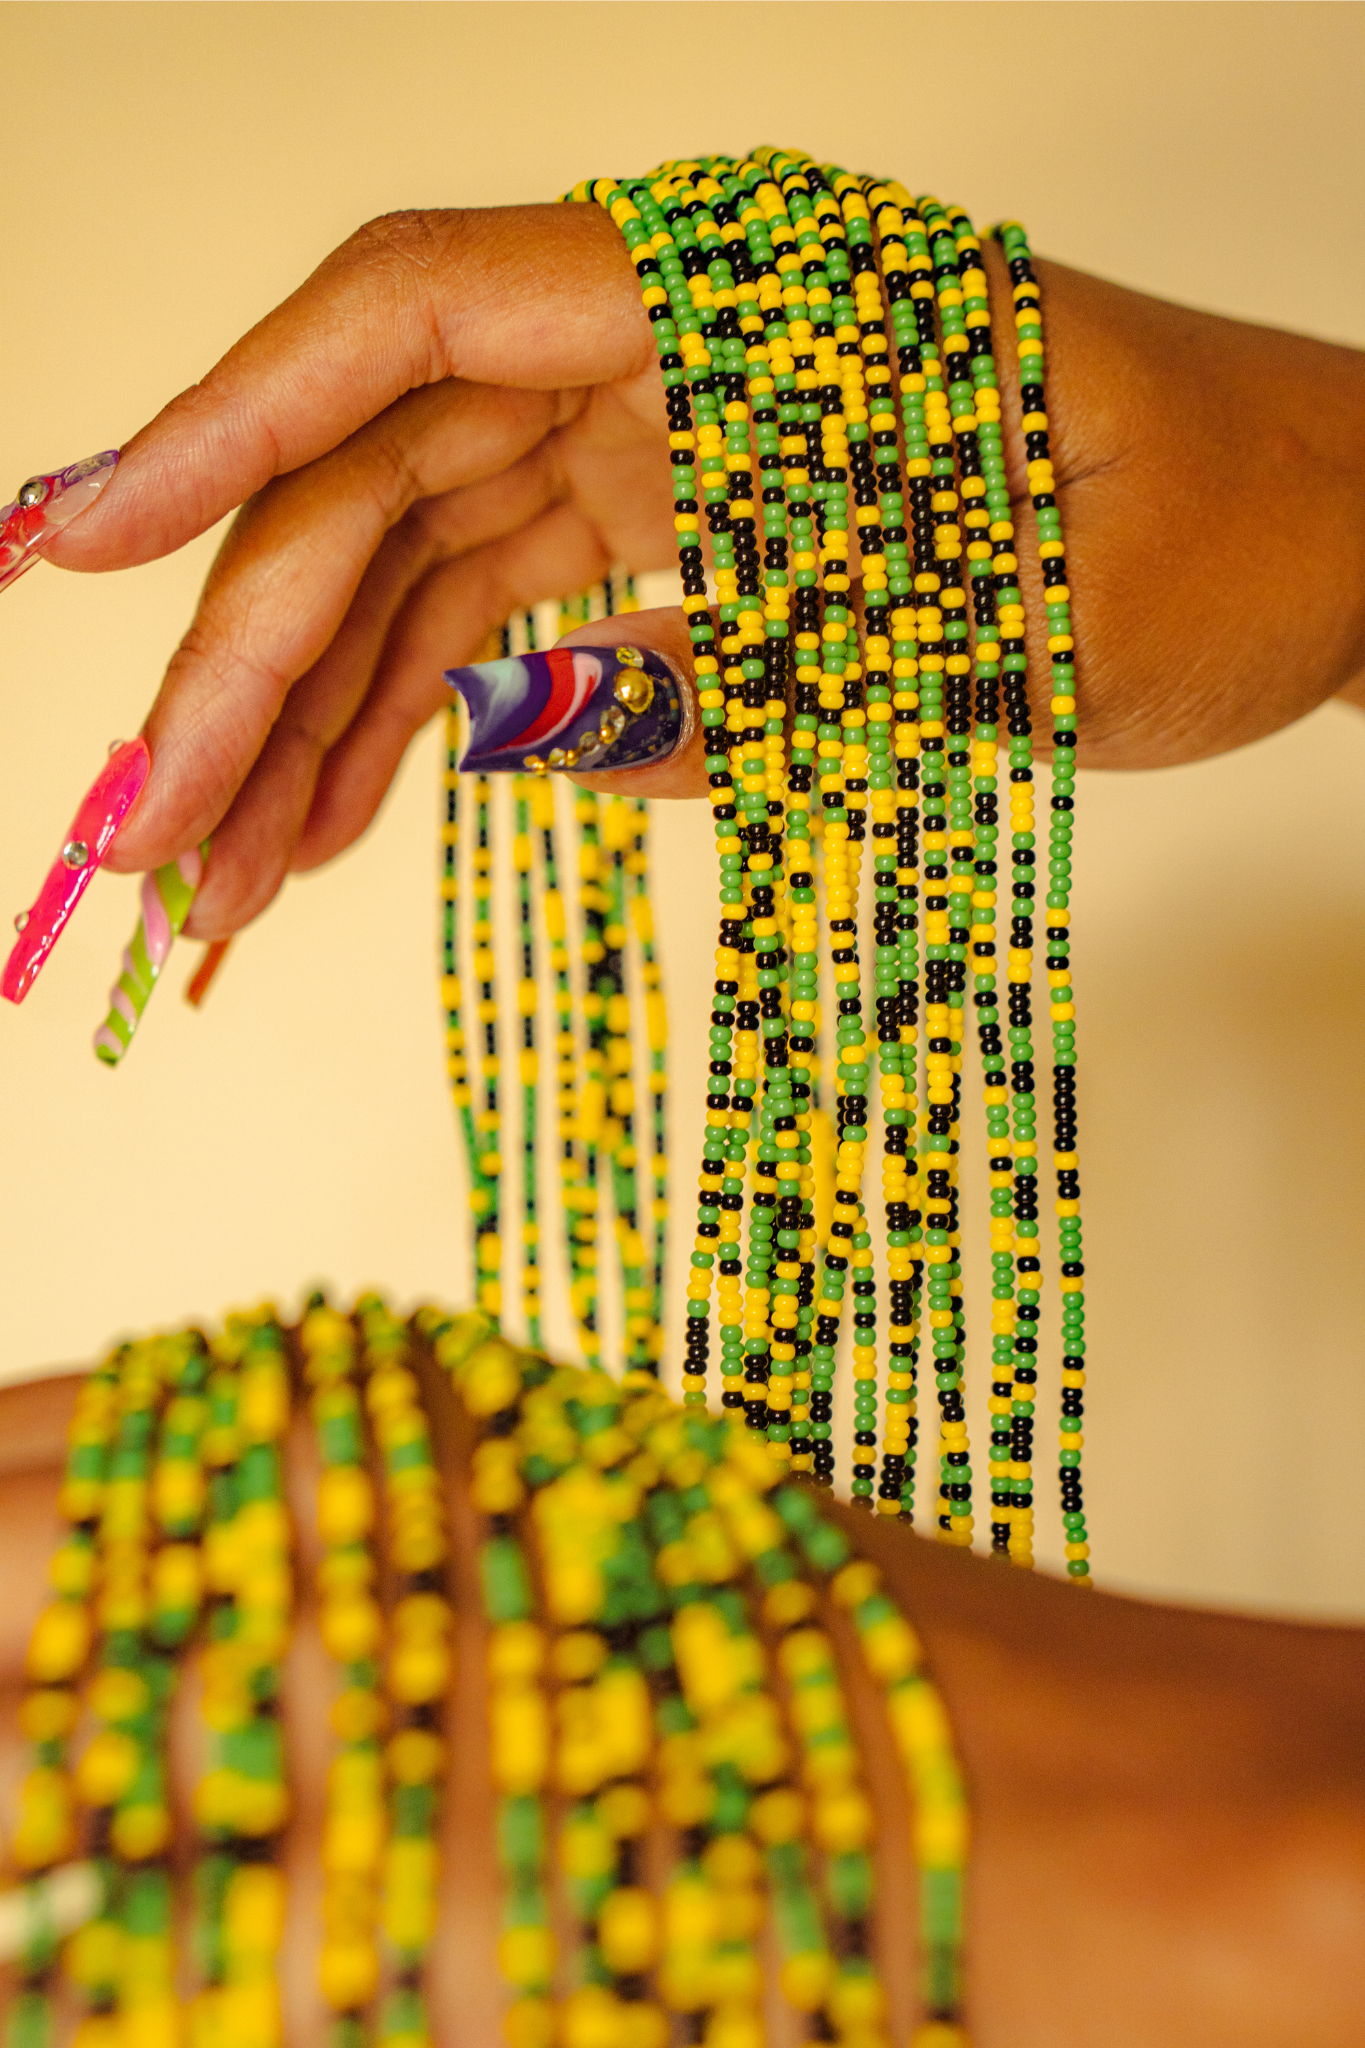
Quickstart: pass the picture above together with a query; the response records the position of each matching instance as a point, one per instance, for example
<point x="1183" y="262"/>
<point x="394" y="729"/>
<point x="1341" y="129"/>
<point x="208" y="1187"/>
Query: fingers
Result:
<point x="683" y="773"/>
<point x="329" y="762"/>
<point x="536" y="297"/>
<point x="284" y="585"/>
<point x="444" y="624"/>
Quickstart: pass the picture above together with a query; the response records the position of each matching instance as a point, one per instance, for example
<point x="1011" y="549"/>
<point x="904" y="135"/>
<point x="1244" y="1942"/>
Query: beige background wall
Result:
<point x="170" y="172"/>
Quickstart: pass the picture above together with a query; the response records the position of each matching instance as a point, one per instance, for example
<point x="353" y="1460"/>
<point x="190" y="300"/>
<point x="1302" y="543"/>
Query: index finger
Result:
<point x="540" y="297"/>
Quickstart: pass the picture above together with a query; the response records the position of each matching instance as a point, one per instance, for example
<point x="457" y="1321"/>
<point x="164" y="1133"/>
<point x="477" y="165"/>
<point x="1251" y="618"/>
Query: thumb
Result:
<point x="665" y="632"/>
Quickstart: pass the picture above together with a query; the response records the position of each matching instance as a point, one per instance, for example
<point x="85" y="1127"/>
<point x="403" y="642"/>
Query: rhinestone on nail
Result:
<point x="33" y="492"/>
<point x="75" y="853"/>
<point x="21" y="921"/>
<point x="635" y="690"/>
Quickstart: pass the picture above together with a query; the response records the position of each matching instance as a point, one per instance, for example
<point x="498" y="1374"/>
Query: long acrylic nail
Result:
<point x="591" y="707"/>
<point x="45" y="505"/>
<point x="97" y="823"/>
<point x="166" y="899"/>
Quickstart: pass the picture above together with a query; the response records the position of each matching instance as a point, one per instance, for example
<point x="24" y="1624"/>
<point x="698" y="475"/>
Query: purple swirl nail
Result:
<point x="45" y="505"/>
<point x="599" y="708"/>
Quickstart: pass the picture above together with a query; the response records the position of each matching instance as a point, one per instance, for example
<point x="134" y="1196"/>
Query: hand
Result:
<point x="458" y="415"/>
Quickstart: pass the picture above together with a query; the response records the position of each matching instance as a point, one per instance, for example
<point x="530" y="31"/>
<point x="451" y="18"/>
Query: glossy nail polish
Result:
<point x="167" y="897"/>
<point x="97" y="823"/>
<point x="573" y="707"/>
<point x="45" y="505"/>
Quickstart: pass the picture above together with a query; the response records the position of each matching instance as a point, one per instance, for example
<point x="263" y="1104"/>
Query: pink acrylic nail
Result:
<point x="45" y="505"/>
<point x="94" y="829"/>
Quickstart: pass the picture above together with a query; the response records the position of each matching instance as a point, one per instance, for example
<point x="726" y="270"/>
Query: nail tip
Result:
<point x="604" y="709"/>
<point x="100" y="817"/>
<point x="26" y="528"/>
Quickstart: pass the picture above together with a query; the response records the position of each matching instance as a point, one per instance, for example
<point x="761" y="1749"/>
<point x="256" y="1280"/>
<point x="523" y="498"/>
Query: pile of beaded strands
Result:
<point x="660" y="1599"/>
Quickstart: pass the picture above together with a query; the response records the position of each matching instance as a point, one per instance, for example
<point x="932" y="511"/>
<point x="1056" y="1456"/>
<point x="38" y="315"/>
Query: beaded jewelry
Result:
<point x="673" y="1627"/>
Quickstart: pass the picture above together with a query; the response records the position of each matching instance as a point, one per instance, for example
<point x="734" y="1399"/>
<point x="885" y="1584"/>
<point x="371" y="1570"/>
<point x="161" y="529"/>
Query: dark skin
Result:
<point x="457" y="416"/>
<point x="1168" y="1806"/>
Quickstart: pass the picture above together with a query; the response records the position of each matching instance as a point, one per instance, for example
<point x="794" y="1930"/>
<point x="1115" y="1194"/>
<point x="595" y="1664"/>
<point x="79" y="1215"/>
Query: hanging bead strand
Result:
<point x="1061" y="650"/>
<point x="528" y="1064"/>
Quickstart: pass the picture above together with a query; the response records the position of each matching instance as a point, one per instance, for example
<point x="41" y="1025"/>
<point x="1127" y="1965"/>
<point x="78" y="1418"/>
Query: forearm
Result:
<point x="1212" y="480"/>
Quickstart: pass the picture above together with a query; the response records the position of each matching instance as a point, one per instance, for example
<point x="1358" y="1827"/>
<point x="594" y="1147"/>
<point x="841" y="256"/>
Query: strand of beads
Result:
<point x="985" y="497"/>
<point x="566" y="1048"/>
<point x="486" y="1193"/>
<point x="903" y="1189"/>
<point x="656" y="1032"/>
<point x="585" y="1198"/>
<point x="452" y="984"/>
<point x="920" y="636"/>
<point x="937" y="581"/>
<point x="220" y="1675"/>
<point x="724" y="458"/>
<point x="59" y="1648"/>
<point x="843" y="413"/>
<point x="123" y="1774"/>
<point x="351" y="1628"/>
<point x="754" y="610"/>
<point x="241" y="1802"/>
<point x="1061" y="649"/>
<point x="518" y="1708"/>
<point x="892" y="1655"/>
<point x="841" y="1815"/>
<point x="816" y="484"/>
<point x="417" y="1664"/>
<point x="685" y="368"/>
<point x="951" y="429"/>
<point x="759" y="208"/>
<point x="638" y="1348"/>
<point x="867" y="403"/>
<point x="782" y="1155"/>
<point x="528" y="1063"/>
<point x="893" y="733"/>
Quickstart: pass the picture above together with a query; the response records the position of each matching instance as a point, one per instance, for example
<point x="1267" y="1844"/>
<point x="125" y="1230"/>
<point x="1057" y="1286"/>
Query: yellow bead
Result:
<point x="628" y="1930"/>
<point x="856" y="2002"/>
<point x="778" y="1816"/>
<point x="93" y="1955"/>
<point x="107" y="1768"/>
<point x="346" y="1504"/>
<point x="357" y="1714"/>
<point x="416" y="1756"/>
<point x="348" y="1972"/>
<point x="490" y="1379"/>
<point x="419" y="1672"/>
<point x="141" y="1831"/>
<point x="526" y="1956"/>
<point x="352" y="1628"/>
<point x="253" y="1910"/>
<point x="842" y="1821"/>
<point x="60" y="1642"/>
<point x="804" y="1979"/>
<point x="46" y="1828"/>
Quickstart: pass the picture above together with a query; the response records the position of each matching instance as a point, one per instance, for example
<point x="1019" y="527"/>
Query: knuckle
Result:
<point x="411" y="238"/>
